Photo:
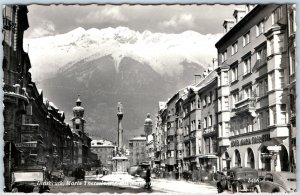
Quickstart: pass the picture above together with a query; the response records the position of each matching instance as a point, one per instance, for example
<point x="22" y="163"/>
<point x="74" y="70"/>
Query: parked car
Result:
<point x="29" y="181"/>
<point x="57" y="176"/>
<point x="240" y="179"/>
<point x="79" y="174"/>
<point x="278" y="182"/>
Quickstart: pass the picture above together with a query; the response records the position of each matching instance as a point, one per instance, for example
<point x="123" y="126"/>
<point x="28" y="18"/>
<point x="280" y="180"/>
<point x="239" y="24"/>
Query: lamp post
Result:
<point x="148" y="130"/>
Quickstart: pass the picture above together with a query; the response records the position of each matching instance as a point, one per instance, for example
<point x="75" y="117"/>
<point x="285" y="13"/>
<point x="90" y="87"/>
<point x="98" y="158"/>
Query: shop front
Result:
<point x="258" y="151"/>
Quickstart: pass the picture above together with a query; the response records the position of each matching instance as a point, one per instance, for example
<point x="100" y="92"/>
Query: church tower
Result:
<point x="78" y="120"/>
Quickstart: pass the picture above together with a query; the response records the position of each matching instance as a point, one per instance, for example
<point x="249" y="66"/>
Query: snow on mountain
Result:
<point x="165" y="53"/>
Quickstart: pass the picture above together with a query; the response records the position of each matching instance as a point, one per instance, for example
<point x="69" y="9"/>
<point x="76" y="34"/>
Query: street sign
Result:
<point x="274" y="148"/>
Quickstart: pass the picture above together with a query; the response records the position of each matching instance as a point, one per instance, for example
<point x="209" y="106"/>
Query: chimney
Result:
<point x="249" y="7"/>
<point x="227" y="25"/>
<point x="238" y="14"/>
<point x="204" y="73"/>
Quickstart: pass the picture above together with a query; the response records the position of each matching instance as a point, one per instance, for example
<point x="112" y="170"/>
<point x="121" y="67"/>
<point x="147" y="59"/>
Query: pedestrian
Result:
<point x="148" y="179"/>
<point x="97" y="172"/>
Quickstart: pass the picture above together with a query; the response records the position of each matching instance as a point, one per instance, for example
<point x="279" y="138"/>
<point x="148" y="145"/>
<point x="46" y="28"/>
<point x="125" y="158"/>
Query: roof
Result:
<point x="139" y="138"/>
<point x="238" y="25"/>
<point x="53" y="105"/>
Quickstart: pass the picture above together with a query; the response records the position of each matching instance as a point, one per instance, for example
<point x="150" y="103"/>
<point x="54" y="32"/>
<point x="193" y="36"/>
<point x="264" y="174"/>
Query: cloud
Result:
<point x="180" y="20"/>
<point x="102" y="15"/>
<point x="114" y="13"/>
<point x="46" y="28"/>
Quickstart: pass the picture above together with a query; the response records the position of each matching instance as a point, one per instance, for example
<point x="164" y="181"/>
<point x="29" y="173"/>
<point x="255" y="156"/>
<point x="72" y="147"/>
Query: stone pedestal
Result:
<point x="120" y="164"/>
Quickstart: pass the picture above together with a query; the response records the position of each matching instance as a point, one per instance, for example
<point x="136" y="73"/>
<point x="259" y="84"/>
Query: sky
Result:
<point x="45" y="20"/>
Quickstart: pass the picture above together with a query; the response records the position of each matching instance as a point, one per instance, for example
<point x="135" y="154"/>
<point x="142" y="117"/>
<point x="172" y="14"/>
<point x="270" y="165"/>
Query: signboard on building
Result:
<point x="26" y="145"/>
<point x="274" y="148"/>
<point x="30" y="128"/>
<point x="251" y="140"/>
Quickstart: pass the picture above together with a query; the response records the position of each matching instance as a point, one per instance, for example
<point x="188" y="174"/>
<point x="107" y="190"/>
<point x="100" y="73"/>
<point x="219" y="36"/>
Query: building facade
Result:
<point x="137" y="148"/>
<point x="35" y="131"/>
<point x="253" y="67"/>
<point x="105" y="151"/>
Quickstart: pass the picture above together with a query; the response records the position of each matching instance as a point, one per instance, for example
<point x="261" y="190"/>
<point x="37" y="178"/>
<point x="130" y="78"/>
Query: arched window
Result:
<point x="237" y="162"/>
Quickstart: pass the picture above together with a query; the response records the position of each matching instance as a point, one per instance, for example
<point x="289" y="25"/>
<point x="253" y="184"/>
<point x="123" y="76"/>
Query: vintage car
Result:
<point x="278" y="182"/>
<point x="29" y="180"/>
<point x="240" y="179"/>
<point x="79" y="174"/>
<point x="57" y="176"/>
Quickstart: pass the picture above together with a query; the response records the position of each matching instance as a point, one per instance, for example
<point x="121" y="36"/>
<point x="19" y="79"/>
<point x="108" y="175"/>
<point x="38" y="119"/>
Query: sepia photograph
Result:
<point x="149" y="98"/>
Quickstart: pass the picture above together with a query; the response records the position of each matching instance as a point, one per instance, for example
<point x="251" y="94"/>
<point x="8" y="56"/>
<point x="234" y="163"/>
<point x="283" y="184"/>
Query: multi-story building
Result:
<point x="291" y="9"/>
<point x="208" y="122"/>
<point x="137" y="148"/>
<point x="191" y="131"/>
<point x="105" y="151"/>
<point x="253" y="58"/>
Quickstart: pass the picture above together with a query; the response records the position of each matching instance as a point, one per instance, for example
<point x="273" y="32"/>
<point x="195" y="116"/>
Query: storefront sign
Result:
<point x="26" y="145"/>
<point x="248" y="141"/>
<point x="30" y="128"/>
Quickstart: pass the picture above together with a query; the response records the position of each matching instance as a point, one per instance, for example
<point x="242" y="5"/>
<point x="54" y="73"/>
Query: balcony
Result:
<point x="210" y="130"/>
<point x="279" y="131"/>
<point x="13" y="93"/>
<point x="171" y="146"/>
<point x="186" y="138"/>
<point x="244" y="106"/>
<point x="260" y="62"/>
<point x="171" y="131"/>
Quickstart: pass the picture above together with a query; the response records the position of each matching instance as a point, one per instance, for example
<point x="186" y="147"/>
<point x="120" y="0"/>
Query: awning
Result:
<point x="208" y="156"/>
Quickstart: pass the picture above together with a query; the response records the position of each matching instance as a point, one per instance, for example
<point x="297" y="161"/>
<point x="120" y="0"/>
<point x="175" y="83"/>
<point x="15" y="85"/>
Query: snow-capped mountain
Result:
<point x="163" y="52"/>
<point x="117" y="65"/>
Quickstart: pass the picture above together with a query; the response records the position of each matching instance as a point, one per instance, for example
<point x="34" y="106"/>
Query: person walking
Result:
<point x="148" y="179"/>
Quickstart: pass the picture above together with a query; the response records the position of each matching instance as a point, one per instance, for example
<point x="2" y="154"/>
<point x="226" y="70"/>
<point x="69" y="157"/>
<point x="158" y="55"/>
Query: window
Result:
<point x="199" y="103"/>
<point x="235" y="99"/>
<point x="293" y="62"/>
<point x="204" y="101"/>
<point x="226" y="103"/>
<point x="261" y="56"/>
<point x="281" y="79"/>
<point x="220" y="103"/>
<point x="207" y="145"/>
<point x="273" y="111"/>
<point x="205" y="123"/>
<point x="210" y="97"/>
<point x="199" y="124"/>
<point x="281" y="42"/>
<point x="247" y="92"/>
<point x="234" y="74"/>
<point x="268" y="117"/>
<point x="234" y="48"/>
<point x="210" y="120"/>
<point x="277" y="15"/>
<point x="77" y="126"/>
<point x="246" y="39"/>
<point x="283" y="113"/>
<point x="225" y="78"/>
<point x="260" y="28"/>
<point x="226" y="133"/>
<point x="224" y="56"/>
<point x="272" y="81"/>
<point x="247" y="65"/>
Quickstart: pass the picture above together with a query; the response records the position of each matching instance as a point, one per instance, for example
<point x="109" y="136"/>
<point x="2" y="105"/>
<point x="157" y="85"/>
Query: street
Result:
<point x="158" y="185"/>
